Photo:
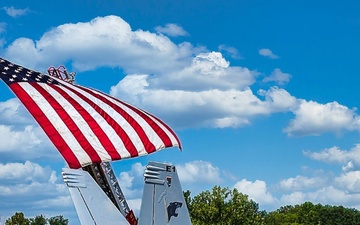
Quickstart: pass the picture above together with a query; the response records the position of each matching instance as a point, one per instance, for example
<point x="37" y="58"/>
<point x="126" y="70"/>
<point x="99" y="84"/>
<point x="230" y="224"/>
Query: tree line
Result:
<point x="223" y="206"/>
<point x="19" y="219"/>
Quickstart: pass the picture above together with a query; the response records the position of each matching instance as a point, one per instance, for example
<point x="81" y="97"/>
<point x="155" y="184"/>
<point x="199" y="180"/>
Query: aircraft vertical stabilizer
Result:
<point x="163" y="201"/>
<point x="92" y="205"/>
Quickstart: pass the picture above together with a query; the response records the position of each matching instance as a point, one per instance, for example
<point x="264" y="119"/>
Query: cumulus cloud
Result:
<point x="27" y="171"/>
<point x="131" y="182"/>
<point x="14" y="113"/>
<point x="349" y="181"/>
<point x="33" y="187"/>
<point x="302" y="183"/>
<point x="349" y="158"/>
<point x="231" y="51"/>
<point x="278" y="100"/>
<point x="267" y="53"/>
<point x="172" y="30"/>
<point x="312" y="118"/>
<point x="2" y="27"/>
<point x="160" y="73"/>
<point x="217" y="95"/>
<point x="199" y="172"/>
<point x="27" y="142"/>
<point x="13" y="12"/>
<point x="164" y="69"/>
<point x="256" y="190"/>
<point x="326" y="188"/>
<point x="328" y="195"/>
<point x="22" y="138"/>
<point x="278" y="77"/>
<point x="104" y="41"/>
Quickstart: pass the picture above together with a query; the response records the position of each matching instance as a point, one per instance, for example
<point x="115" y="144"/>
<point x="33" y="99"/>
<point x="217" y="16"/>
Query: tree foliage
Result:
<point x="19" y="219"/>
<point x="223" y="206"/>
<point x="310" y="214"/>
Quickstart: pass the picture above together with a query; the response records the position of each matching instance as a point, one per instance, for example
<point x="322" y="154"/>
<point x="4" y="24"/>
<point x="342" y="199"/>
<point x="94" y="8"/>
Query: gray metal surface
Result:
<point x="92" y="205"/>
<point x="163" y="201"/>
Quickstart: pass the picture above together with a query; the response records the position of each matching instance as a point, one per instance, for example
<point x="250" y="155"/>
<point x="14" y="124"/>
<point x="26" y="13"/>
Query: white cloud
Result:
<point x="216" y="94"/>
<point x="267" y="53"/>
<point x="328" y="195"/>
<point x="279" y="100"/>
<point x="233" y="52"/>
<point x="131" y="182"/>
<point x="171" y="30"/>
<point x="278" y="76"/>
<point x="27" y="171"/>
<point x="206" y="71"/>
<point x="27" y="142"/>
<point x="349" y="166"/>
<point x="35" y="188"/>
<point x="199" y="172"/>
<point x="349" y="181"/>
<point x="312" y="118"/>
<point x="349" y="158"/>
<point x="2" y="28"/>
<point x="14" y="113"/>
<point x="256" y="190"/>
<point x="13" y="12"/>
<point x="20" y="137"/>
<point x="12" y="139"/>
<point x="104" y="41"/>
<point x="302" y="183"/>
<point x="161" y="73"/>
<point x="293" y="198"/>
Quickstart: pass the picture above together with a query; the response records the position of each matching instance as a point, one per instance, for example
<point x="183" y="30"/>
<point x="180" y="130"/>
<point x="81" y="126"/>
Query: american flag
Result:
<point x="86" y="125"/>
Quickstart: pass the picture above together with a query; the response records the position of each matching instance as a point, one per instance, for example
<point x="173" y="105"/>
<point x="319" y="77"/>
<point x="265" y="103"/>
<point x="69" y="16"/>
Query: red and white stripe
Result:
<point x="88" y="126"/>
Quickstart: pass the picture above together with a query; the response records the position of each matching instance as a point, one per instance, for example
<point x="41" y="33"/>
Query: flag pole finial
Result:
<point x="61" y="73"/>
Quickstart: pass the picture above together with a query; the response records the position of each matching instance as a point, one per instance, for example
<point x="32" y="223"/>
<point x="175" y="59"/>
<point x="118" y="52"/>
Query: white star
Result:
<point x="11" y="79"/>
<point x="6" y="68"/>
<point x="24" y="79"/>
<point x="14" y="75"/>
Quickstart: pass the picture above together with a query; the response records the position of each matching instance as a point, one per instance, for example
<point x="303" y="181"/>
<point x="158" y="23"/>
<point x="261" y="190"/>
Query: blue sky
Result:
<point x="263" y="94"/>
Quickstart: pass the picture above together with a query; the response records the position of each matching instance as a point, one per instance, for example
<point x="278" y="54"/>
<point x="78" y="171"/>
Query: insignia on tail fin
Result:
<point x="171" y="209"/>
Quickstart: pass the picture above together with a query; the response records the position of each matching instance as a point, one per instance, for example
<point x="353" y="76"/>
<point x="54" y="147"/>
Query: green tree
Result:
<point x="223" y="206"/>
<point x="58" y="220"/>
<point x="310" y="214"/>
<point x="38" y="220"/>
<point x="17" y="219"/>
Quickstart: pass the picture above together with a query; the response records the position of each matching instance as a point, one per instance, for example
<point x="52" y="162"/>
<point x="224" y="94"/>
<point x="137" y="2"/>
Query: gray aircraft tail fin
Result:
<point x="93" y="206"/>
<point x="163" y="201"/>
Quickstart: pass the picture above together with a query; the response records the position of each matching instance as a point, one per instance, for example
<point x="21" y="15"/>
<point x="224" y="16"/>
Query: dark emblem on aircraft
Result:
<point x="171" y="209"/>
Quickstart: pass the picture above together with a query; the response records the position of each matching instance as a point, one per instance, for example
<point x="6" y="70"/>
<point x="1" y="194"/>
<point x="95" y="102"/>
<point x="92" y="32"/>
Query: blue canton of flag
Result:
<point x="11" y="73"/>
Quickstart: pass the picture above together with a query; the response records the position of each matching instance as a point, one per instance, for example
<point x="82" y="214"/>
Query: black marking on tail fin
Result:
<point x="171" y="209"/>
